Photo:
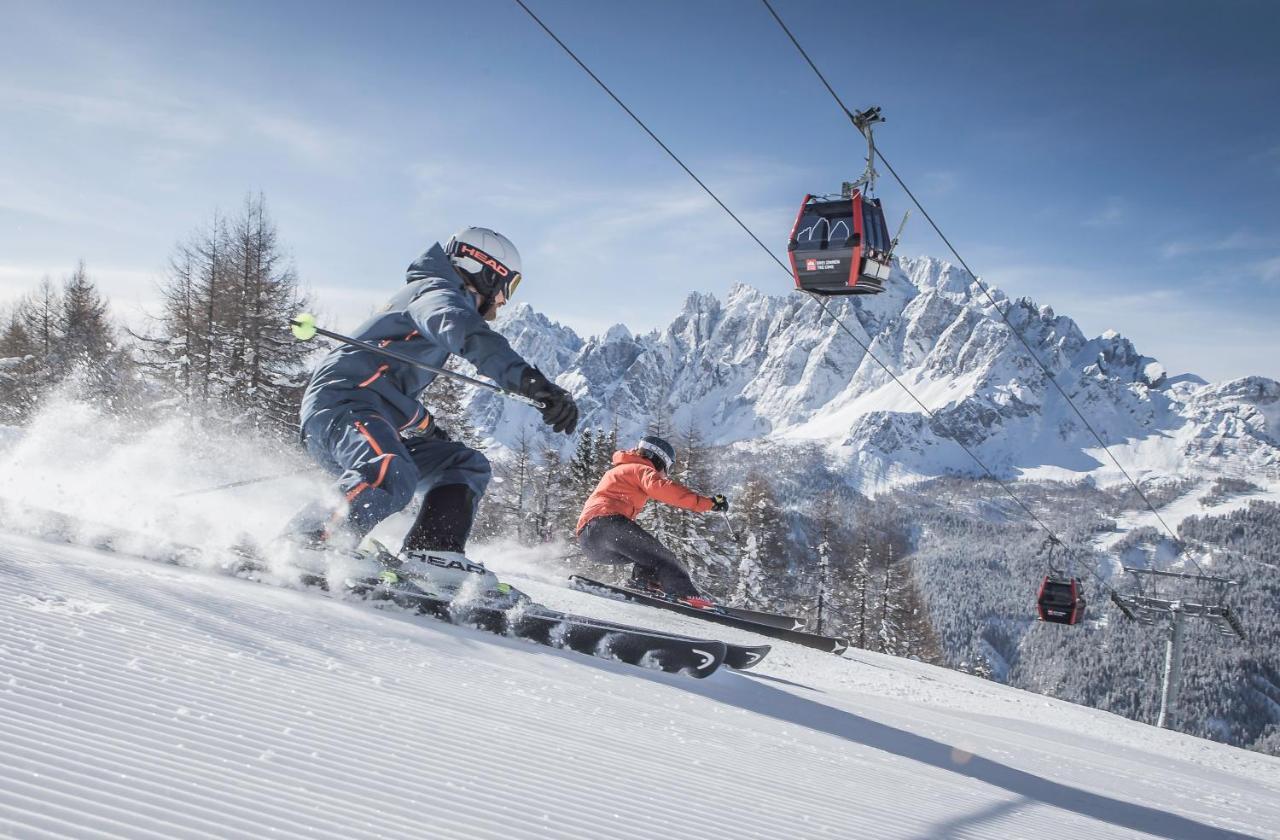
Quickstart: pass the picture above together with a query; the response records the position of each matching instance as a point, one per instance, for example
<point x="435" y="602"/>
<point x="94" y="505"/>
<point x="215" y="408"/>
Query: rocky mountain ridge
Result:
<point x="756" y="367"/>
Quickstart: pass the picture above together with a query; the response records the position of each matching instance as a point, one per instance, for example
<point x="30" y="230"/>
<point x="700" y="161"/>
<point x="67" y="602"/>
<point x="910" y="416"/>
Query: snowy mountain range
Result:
<point x="778" y="368"/>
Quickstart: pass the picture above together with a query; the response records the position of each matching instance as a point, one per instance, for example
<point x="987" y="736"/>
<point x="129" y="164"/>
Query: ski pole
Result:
<point x="246" y="481"/>
<point x="304" y="328"/>
<point x="728" y="523"/>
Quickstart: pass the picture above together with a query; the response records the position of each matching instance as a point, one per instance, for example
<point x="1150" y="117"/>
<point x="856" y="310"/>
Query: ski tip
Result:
<point x="303" y="326"/>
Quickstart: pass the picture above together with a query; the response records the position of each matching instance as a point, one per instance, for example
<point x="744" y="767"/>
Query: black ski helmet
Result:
<point x="487" y="259"/>
<point x="657" y="450"/>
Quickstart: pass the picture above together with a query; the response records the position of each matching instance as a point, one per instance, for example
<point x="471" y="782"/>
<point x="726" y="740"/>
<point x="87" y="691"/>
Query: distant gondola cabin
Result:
<point x="840" y="246"/>
<point x="1061" y="600"/>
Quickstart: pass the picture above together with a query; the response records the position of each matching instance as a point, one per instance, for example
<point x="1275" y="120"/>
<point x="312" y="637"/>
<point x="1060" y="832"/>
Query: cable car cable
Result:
<point x="865" y="347"/>
<point x="782" y="265"/>
<point x="983" y="286"/>
<point x="640" y="123"/>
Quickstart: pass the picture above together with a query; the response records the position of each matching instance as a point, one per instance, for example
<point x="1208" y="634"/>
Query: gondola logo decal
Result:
<point x="812" y="231"/>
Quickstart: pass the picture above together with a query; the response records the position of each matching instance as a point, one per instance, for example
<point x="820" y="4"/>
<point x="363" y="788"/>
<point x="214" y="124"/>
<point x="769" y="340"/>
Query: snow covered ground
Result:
<point x="143" y="700"/>
<point x="1188" y="504"/>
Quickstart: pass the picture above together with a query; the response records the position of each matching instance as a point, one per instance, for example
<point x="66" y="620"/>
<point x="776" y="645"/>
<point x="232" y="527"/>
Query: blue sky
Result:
<point x="1119" y="161"/>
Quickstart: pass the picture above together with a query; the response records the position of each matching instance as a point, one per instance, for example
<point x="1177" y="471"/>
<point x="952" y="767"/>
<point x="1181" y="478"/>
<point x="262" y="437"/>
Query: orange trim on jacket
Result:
<point x="631" y="482"/>
<point x="382" y="456"/>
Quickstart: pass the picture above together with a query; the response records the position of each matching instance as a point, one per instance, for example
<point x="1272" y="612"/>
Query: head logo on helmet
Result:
<point x="487" y="260"/>
<point x="465" y="250"/>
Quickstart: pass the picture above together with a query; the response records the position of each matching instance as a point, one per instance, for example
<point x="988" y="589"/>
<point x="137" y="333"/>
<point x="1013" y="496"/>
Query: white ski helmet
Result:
<point x="487" y="259"/>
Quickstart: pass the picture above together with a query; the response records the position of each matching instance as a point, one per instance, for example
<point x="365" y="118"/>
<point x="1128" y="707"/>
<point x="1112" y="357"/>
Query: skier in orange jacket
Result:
<point x="607" y="530"/>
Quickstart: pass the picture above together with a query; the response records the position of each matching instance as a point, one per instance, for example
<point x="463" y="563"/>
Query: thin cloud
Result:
<point x="144" y="111"/>
<point x="1269" y="270"/>
<point x="941" y="182"/>
<point x="1112" y="212"/>
<point x="1268" y="159"/>
<point x="177" y="127"/>
<point x="1239" y="240"/>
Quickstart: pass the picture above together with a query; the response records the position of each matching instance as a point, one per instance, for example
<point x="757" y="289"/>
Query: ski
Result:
<point x="552" y="628"/>
<point x="737" y="657"/>
<point x="830" y="644"/>
<point x="787" y="622"/>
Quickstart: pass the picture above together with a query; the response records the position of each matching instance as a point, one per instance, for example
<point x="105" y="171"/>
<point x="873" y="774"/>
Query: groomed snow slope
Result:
<point x="142" y="700"/>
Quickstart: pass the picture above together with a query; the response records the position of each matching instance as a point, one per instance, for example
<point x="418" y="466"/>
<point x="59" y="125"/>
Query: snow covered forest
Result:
<point x="942" y="567"/>
<point x="215" y="351"/>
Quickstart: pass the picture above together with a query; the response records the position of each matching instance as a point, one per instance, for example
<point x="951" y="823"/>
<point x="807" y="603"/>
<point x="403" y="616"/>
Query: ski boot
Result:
<point x="313" y="556"/>
<point x="647" y="583"/>
<point x="643" y="580"/>
<point x="450" y="576"/>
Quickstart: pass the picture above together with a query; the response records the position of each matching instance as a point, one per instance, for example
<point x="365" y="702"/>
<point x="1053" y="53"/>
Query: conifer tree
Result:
<point x="85" y="332"/>
<point x="32" y="335"/>
<point x="51" y="335"/>
<point x="551" y="503"/>
<point x="890" y="607"/>
<point x="701" y="540"/>
<point x="446" y="399"/>
<point x="762" y="557"/>
<point x="220" y="344"/>
<point x="20" y="382"/>
<point x="825" y="601"/>
<point x="582" y="466"/>
<point x="40" y="314"/>
<point x="509" y="502"/>
<point x="87" y="343"/>
<point x="861" y="585"/>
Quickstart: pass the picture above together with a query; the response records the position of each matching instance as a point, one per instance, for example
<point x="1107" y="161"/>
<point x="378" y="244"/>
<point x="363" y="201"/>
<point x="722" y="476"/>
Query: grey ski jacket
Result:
<point x="432" y="317"/>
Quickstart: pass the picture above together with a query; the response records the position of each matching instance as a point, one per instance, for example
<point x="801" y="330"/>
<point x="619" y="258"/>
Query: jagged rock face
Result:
<point x="778" y="367"/>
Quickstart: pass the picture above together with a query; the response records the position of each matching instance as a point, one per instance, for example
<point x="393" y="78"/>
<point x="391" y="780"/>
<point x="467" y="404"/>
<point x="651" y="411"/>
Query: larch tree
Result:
<point x="220" y="345"/>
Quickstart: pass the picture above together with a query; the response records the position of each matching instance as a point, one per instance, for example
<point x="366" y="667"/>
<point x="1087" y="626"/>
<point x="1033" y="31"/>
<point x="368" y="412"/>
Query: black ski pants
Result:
<point x="617" y="540"/>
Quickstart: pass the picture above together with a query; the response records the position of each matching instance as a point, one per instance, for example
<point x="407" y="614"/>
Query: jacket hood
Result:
<point x="435" y="267"/>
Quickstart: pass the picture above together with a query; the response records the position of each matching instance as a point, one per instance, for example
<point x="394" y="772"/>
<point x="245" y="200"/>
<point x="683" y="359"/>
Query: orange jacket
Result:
<point x="630" y="483"/>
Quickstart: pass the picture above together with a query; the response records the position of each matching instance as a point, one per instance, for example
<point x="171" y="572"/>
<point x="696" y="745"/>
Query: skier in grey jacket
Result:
<point x="363" y="421"/>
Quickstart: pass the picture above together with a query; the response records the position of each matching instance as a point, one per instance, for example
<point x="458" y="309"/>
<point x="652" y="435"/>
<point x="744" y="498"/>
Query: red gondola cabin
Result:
<point x="1061" y="600"/>
<point x="840" y="246"/>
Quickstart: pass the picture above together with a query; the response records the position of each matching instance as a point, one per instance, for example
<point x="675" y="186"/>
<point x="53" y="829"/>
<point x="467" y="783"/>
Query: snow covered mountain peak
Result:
<point x="778" y="367"/>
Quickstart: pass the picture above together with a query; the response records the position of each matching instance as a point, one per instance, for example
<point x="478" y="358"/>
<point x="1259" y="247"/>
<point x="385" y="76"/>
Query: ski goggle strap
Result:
<point x="657" y="453"/>
<point x="508" y="279"/>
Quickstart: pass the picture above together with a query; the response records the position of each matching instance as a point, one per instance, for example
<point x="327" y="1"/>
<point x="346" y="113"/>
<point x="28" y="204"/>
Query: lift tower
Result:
<point x="1147" y="608"/>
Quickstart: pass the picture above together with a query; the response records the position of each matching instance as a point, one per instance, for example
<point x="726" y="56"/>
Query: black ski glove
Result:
<point x="560" y="411"/>
<point x="719" y="504"/>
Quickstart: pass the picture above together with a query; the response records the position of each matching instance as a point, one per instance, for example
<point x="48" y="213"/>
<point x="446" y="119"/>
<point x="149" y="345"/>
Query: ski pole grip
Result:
<point x="303" y="327"/>
<point x="526" y="400"/>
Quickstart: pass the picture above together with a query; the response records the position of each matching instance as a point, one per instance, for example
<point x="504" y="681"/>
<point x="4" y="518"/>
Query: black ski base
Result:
<point x="737" y="657"/>
<point x="533" y="622"/>
<point x="716" y="615"/>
